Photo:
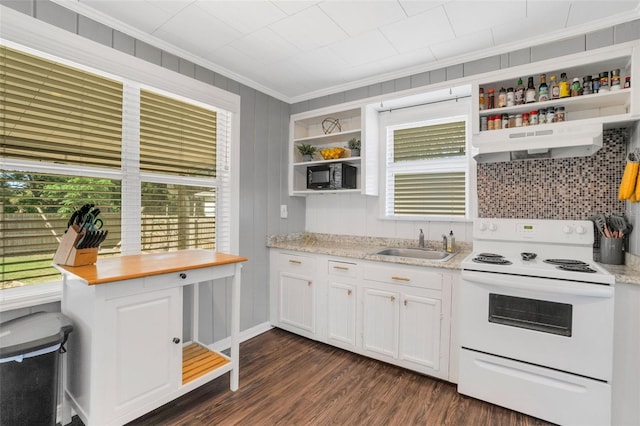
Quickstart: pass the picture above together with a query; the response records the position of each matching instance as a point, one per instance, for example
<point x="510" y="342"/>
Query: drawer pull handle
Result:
<point x="176" y="340"/>
<point x="309" y="283"/>
<point x="401" y="278"/>
<point x="349" y="293"/>
<point x="342" y="268"/>
<point x="297" y="262"/>
<point x="183" y="275"/>
<point x="393" y="298"/>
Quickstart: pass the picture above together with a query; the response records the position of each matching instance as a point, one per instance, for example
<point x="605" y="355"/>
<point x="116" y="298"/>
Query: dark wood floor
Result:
<point x="288" y="380"/>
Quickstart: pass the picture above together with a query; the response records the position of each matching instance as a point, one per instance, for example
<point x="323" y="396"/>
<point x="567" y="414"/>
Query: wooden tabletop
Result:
<point x="120" y="268"/>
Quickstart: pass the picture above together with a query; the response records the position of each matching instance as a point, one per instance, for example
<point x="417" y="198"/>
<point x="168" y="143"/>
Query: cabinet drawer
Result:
<point x="295" y="262"/>
<point x="343" y="269"/>
<point x="180" y="278"/>
<point x="412" y="276"/>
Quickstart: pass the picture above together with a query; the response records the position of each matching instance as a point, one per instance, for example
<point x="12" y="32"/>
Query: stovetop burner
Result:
<point x="577" y="268"/>
<point x="494" y="259"/>
<point x="571" y="265"/>
<point x="566" y="262"/>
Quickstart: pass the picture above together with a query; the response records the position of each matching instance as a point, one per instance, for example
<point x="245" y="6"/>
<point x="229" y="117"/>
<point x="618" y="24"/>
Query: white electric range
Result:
<point x="536" y="320"/>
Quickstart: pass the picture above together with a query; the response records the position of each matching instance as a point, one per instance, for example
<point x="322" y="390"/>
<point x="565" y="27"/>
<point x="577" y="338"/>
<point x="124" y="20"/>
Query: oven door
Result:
<point x="564" y="325"/>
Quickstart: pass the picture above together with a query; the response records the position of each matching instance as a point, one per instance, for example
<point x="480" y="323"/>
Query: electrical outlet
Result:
<point x="283" y="211"/>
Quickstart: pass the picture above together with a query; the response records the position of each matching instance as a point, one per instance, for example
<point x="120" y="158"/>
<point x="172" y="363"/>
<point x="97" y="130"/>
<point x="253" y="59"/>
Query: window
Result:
<point x="155" y="163"/>
<point x="427" y="163"/>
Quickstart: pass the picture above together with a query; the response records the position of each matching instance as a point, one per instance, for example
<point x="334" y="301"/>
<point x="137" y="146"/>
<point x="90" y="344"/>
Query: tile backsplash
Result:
<point x="567" y="188"/>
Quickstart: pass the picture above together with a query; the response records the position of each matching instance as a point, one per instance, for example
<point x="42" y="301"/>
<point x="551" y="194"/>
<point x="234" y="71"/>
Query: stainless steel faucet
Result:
<point x="421" y="239"/>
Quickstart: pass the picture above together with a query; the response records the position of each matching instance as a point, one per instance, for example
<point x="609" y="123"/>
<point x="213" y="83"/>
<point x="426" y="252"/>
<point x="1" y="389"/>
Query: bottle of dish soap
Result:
<point x="451" y="242"/>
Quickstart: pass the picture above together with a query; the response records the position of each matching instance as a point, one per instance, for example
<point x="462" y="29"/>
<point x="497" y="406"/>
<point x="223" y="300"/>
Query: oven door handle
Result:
<point x="538" y="284"/>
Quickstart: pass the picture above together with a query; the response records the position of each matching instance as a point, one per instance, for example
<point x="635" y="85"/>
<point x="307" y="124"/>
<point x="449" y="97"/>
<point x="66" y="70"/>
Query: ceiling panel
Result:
<point x="356" y="18"/>
<point x="419" y="31"/>
<point x="309" y="29"/>
<point x="266" y="46"/>
<point x="364" y="48"/>
<point x="142" y="15"/>
<point x="244" y="16"/>
<point x="467" y="17"/>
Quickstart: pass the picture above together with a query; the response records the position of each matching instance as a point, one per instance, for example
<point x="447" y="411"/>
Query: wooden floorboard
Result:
<point x="288" y="380"/>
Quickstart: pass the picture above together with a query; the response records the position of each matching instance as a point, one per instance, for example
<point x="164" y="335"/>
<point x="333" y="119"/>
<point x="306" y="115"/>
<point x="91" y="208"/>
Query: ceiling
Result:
<point x="297" y="50"/>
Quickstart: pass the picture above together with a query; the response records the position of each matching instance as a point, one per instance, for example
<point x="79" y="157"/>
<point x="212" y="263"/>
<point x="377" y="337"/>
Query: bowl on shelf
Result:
<point x="332" y="153"/>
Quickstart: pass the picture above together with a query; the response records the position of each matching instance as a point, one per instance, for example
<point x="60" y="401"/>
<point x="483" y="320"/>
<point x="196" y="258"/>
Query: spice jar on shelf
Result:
<point x="560" y="115"/>
<point x="533" y="118"/>
<point x="615" y="79"/>
<point x="481" y="100"/>
<point x="525" y="119"/>
<point x="575" y="87"/>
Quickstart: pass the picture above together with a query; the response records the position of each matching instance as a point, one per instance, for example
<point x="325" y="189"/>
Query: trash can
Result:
<point x="29" y="359"/>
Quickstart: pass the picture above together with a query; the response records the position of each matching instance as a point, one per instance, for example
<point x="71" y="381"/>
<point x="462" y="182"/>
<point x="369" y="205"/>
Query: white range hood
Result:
<point x="543" y="141"/>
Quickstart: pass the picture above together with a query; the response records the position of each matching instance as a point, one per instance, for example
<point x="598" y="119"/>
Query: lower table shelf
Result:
<point x="198" y="361"/>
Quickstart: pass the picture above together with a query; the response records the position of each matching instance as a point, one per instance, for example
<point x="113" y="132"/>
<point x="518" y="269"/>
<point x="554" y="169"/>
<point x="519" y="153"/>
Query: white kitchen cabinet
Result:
<point x="380" y="324"/>
<point x="308" y="128"/>
<point x="294" y="301"/>
<point x="415" y="304"/>
<point x="420" y="345"/>
<point x="404" y="326"/>
<point x="143" y="330"/>
<point x="342" y="304"/>
<point x="126" y="356"/>
<point x="585" y="115"/>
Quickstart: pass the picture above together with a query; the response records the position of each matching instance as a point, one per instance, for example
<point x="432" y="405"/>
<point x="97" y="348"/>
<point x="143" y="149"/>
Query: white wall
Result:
<point x="355" y="214"/>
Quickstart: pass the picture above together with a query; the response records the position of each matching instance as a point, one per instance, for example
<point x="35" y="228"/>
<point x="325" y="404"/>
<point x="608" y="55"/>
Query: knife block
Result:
<point x="67" y="253"/>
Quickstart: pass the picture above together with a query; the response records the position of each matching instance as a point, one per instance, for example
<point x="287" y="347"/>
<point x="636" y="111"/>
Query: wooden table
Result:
<point x="127" y="356"/>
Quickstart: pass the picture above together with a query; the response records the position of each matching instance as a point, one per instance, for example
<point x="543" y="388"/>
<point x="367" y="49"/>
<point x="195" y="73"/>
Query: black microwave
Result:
<point x="331" y="176"/>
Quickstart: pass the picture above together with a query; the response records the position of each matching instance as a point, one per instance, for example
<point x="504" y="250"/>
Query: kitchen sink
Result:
<point x="416" y="253"/>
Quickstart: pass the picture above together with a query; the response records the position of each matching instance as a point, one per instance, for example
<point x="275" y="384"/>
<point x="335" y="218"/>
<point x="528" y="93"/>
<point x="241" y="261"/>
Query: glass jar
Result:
<point x="533" y="118"/>
<point x="587" y="86"/>
<point x="505" y="121"/>
<point x="525" y="119"/>
<point x="627" y="82"/>
<point x="551" y="115"/>
<point x="484" y="124"/>
<point x="542" y="116"/>
<point x="560" y="115"/>
<point x="497" y="122"/>
<point x="615" y="79"/>
<point x="604" y="82"/>
<point x="481" y="100"/>
<point x="512" y="121"/>
<point x="490" y="123"/>
<point x="511" y="98"/>
<point x="576" y="89"/>
<point x="502" y="98"/>
<point x="518" y="120"/>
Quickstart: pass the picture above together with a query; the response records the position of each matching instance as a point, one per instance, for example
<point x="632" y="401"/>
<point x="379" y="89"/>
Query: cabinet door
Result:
<point x="297" y="302"/>
<point x="146" y="361"/>
<point x="380" y="322"/>
<point x="342" y="314"/>
<point x="420" y="331"/>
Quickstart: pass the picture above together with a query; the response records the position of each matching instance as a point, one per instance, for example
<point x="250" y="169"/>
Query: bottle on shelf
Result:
<point x="510" y="97"/>
<point x="502" y="98"/>
<point x="576" y="89"/>
<point x="530" y="94"/>
<point x="518" y="95"/>
<point x="565" y="89"/>
<point x="481" y="100"/>
<point x="543" y="89"/>
<point x="491" y="99"/>
<point x="555" y="89"/>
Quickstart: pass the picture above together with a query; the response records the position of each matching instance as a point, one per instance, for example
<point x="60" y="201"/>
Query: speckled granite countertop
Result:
<point x="629" y="273"/>
<point x="363" y="248"/>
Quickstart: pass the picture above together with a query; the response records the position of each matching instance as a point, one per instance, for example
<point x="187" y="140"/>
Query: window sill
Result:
<point x="29" y="296"/>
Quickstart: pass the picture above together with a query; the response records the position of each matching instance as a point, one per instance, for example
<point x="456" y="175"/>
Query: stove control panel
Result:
<point x="535" y="230"/>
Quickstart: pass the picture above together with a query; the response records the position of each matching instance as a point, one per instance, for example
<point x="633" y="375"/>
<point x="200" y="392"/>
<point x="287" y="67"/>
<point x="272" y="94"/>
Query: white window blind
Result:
<point x="427" y="169"/>
<point x="176" y="137"/>
<point x="57" y="113"/>
<point x="178" y="146"/>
